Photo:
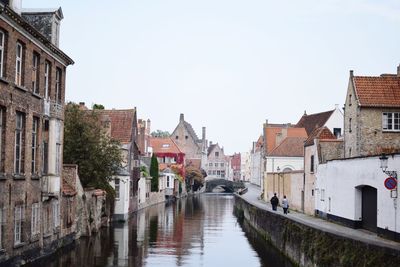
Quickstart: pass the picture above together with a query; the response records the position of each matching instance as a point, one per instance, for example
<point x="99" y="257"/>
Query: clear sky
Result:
<point x="226" y="64"/>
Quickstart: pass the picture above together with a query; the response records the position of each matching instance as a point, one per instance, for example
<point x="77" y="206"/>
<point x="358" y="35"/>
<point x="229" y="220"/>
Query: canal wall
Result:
<point x="310" y="247"/>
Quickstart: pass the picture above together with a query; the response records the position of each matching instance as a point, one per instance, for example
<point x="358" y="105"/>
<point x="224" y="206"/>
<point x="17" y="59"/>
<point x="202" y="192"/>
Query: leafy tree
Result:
<point x="194" y="177"/>
<point x="154" y="173"/>
<point x="85" y="144"/>
<point x="160" y="134"/>
<point x="97" y="106"/>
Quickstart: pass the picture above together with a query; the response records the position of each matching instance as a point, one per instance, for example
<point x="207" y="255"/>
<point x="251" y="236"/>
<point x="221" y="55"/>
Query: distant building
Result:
<point x="144" y="136"/>
<point x="236" y="166"/>
<point x="217" y="162"/>
<point x="32" y="96"/>
<point x="245" y="166"/>
<point x="256" y="162"/>
<point x="185" y="137"/>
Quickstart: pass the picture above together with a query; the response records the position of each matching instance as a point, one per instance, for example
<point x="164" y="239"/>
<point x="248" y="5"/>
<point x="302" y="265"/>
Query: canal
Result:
<point x="196" y="231"/>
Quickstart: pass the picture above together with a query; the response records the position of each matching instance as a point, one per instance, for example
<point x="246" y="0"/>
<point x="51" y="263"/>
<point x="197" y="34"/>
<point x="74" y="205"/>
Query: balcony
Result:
<point x="51" y="185"/>
<point x="53" y="109"/>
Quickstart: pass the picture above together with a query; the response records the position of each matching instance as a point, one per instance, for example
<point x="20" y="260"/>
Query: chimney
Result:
<point x="148" y="127"/>
<point x="398" y="70"/>
<point x="210" y="143"/>
<point x="203" y="133"/>
<point x="351" y="73"/>
<point x="181" y="117"/>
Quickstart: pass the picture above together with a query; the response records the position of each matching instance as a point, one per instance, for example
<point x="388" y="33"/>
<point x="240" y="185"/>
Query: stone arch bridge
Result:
<point x="223" y="186"/>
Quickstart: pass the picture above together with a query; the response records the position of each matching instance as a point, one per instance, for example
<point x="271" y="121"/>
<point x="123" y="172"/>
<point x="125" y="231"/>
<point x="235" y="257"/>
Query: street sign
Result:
<point x="390" y="183"/>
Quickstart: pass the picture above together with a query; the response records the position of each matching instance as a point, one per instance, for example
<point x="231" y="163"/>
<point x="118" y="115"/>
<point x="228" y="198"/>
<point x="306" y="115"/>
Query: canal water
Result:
<point x="196" y="231"/>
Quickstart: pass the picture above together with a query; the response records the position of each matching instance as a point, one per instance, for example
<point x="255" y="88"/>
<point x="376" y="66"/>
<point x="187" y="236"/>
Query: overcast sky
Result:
<point x="226" y="64"/>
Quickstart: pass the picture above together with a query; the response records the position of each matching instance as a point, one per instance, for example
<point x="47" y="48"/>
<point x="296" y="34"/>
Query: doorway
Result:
<point x="369" y="208"/>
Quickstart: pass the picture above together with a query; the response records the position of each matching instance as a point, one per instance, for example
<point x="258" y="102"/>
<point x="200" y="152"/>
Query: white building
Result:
<point x="245" y="166"/>
<point x="352" y="191"/>
<point x="217" y="163"/>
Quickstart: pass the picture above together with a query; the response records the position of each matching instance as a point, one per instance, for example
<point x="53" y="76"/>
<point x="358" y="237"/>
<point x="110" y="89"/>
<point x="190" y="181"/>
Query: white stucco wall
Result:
<point x="335" y="120"/>
<point x="122" y="203"/>
<point x="339" y="180"/>
<point x="294" y="163"/>
<point x="255" y="168"/>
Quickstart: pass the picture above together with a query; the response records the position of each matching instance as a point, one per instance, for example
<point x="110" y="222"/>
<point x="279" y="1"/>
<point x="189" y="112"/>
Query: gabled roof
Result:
<point x="313" y="121"/>
<point x="290" y="147"/>
<point x="211" y="148"/>
<point x="322" y="133"/>
<point x="121" y="122"/>
<point x="164" y="145"/>
<point x="191" y="132"/>
<point x="379" y="91"/>
<point x="271" y="134"/>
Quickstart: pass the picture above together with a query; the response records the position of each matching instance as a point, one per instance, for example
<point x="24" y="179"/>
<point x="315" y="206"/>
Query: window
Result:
<point x="19" y="143"/>
<point x="391" y="121"/>
<point x="56" y="213"/>
<point x="18" y="224"/>
<point x="35" y="72"/>
<point x="312" y="192"/>
<point x="116" y="188"/>
<point x="216" y="164"/>
<point x="18" y="64"/>
<point x="337" y="132"/>
<point x="222" y="174"/>
<point x="58" y="86"/>
<point x="35" y="226"/>
<point x="218" y="172"/>
<point x="349" y="125"/>
<point x="217" y="154"/>
<point x="222" y="164"/>
<point x="2" y="37"/>
<point x="214" y="172"/>
<point x="210" y="164"/>
<point x="2" y="224"/>
<point x="312" y="163"/>
<point x="322" y="194"/>
<point x="2" y="137"/>
<point x="186" y="137"/>
<point x="209" y="172"/>
<point x="58" y="158"/>
<point x="167" y="181"/>
<point x="47" y="68"/>
<point x="176" y="137"/>
<point x="350" y="100"/>
<point x="35" y="124"/>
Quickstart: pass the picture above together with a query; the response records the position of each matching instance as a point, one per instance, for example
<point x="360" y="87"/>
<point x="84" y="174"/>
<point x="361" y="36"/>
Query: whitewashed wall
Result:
<point x="294" y="163"/>
<point x="255" y="170"/>
<point x="336" y="120"/>
<point x="339" y="179"/>
<point x="122" y="203"/>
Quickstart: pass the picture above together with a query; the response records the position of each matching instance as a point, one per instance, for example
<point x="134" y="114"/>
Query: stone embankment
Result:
<point x="308" y="245"/>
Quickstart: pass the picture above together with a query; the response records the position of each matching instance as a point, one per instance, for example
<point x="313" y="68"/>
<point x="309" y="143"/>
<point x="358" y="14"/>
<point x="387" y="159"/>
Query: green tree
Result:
<point x="154" y="173"/>
<point x="97" y="106"/>
<point x="160" y="134"/>
<point x="86" y="144"/>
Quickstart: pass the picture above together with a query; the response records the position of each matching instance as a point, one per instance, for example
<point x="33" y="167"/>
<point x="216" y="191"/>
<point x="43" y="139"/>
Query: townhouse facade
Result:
<point x="32" y="94"/>
<point x="217" y="162"/>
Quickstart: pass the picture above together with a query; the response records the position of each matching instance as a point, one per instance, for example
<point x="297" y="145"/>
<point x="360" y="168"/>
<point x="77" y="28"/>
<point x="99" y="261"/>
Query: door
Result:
<point x="369" y="208"/>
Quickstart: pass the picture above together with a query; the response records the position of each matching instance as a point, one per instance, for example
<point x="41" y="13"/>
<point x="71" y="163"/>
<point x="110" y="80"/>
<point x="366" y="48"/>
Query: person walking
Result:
<point x="274" y="201"/>
<point x="285" y="205"/>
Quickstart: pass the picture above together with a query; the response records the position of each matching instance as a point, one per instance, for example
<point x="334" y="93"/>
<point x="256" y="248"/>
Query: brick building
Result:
<point x="32" y="90"/>
<point x="372" y="115"/>
<point x="236" y="166"/>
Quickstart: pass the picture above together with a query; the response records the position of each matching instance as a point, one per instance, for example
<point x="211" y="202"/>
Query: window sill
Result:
<point x="22" y="88"/>
<point x="19" y="245"/>
<point x="35" y="238"/>
<point x="390" y="131"/>
<point x="19" y="177"/>
<point x="3" y="80"/>
<point x="37" y="95"/>
<point x="35" y="177"/>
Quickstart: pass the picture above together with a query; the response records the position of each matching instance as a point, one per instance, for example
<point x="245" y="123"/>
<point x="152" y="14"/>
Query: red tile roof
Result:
<point x="121" y="123"/>
<point x="322" y="133"/>
<point x="272" y="132"/>
<point x="164" y="145"/>
<point x="290" y="147"/>
<point x="313" y="121"/>
<point x="381" y="91"/>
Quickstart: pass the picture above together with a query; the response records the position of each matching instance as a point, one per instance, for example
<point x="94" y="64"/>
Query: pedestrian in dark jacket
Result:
<point x="274" y="201"/>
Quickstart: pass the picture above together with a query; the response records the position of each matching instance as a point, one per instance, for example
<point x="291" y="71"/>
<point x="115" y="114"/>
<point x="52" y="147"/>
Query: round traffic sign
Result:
<point x="390" y="183"/>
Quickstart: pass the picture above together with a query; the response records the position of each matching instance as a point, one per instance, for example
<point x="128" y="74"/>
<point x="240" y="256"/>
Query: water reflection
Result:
<point x="197" y="231"/>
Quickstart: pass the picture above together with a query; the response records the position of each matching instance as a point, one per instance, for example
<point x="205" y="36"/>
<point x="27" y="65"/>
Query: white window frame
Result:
<point x="2" y="37"/>
<point x="19" y="131"/>
<point x="395" y="122"/>
<point x="58" y="85"/>
<point x="35" y="127"/>
<point x="18" y="64"/>
<point x="35" y="222"/>
<point x="18" y="224"/>
<point x="117" y="188"/>
<point x="35" y="72"/>
<point x="46" y="79"/>
<point x="56" y="213"/>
